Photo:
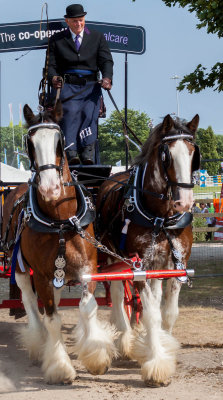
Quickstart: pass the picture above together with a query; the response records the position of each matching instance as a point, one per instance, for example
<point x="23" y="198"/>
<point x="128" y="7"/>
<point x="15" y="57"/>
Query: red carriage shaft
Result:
<point x="136" y="275"/>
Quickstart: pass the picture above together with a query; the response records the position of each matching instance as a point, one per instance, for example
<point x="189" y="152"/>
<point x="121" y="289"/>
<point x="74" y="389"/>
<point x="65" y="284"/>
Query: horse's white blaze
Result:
<point x="45" y="143"/>
<point x="182" y="164"/>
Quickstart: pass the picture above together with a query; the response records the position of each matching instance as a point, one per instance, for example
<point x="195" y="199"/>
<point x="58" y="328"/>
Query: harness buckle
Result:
<point x="27" y="214"/>
<point x="76" y="222"/>
<point x="89" y="203"/>
<point x="158" y="224"/>
<point x="130" y="204"/>
<point x="74" y="175"/>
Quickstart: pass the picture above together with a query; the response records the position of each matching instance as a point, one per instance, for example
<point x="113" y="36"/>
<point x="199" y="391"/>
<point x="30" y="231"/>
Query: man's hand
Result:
<point x="57" y="82"/>
<point x="106" y="83"/>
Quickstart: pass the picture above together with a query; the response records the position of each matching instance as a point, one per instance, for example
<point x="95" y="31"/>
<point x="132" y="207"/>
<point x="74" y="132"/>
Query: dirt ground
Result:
<point x="199" y="372"/>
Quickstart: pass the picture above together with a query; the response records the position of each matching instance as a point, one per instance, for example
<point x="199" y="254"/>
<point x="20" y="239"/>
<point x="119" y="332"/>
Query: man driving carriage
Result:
<point x="76" y="57"/>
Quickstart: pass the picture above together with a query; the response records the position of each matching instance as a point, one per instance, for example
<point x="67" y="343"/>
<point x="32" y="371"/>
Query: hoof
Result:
<point x="154" y="384"/>
<point x="60" y="374"/>
<point x="100" y="371"/>
<point x="52" y="380"/>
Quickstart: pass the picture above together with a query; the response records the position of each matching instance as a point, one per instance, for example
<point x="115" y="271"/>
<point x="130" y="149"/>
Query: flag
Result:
<point x="20" y="115"/>
<point x="18" y="158"/>
<point x="11" y="116"/>
<point x="118" y="163"/>
<point x="5" y="157"/>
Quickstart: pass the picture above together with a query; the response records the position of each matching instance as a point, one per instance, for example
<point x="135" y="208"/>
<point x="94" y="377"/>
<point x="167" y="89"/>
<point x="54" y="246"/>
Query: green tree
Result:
<point x="219" y="139"/>
<point x="206" y="140"/>
<point x="210" y="15"/>
<point x="6" y="142"/>
<point x="111" y="138"/>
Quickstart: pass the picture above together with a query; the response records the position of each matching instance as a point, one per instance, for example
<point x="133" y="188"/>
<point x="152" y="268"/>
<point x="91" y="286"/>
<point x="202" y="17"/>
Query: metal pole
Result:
<point x="0" y="114"/>
<point x="126" y="108"/>
<point x="175" y="77"/>
<point x="137" y="275"/>
<point x="178" y="106"/>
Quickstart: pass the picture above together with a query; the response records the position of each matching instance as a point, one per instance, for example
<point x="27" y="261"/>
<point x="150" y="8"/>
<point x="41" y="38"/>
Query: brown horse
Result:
<point x="145" y="211"/>
<point x="49" y="220"/>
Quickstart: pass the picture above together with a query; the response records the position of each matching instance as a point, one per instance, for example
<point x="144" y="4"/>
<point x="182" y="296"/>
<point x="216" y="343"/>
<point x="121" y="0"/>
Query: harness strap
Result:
<point x="49" y="166"/>
<point x="41" y="223"/>
<point x="4" y="242"/>
<point x="16" y="250"/>
<point x="122" y="183"/>
<point x="183" y="185"/>
<point x="60" y="262"/>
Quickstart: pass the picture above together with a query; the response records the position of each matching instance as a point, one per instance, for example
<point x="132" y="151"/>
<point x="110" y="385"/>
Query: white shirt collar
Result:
<point x="74" y="35"/>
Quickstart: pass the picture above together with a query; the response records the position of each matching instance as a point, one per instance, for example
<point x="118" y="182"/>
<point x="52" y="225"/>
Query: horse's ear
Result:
<point x="193" y="124"/>
<point x="57" y="112"/>
<point x="167" y="124"/>
<point x="28" y="114"/>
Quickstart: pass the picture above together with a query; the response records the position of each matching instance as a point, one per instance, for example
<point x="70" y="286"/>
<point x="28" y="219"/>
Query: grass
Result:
<point x="209" y="190"/>
<point x="206" y="292"/>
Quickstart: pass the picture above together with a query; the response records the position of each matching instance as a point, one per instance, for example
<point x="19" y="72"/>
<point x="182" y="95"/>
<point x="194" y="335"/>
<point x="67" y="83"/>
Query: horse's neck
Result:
<point x="153" y="182"/>
<point x="66" y="206"/>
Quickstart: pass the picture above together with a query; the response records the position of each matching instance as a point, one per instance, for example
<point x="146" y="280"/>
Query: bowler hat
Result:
<point x="74" y="11"/>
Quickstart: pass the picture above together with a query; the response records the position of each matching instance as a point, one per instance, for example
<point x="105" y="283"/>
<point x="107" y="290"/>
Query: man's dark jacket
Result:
<point x="94" y="54"/>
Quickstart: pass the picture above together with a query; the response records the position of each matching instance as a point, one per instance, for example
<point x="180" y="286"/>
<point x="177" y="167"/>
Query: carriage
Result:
<point x="141" y="235"/>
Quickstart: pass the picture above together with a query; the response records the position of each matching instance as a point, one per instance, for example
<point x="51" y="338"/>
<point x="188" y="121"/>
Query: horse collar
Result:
<point x="41" y="223"/>
<point x="138" y="215"/>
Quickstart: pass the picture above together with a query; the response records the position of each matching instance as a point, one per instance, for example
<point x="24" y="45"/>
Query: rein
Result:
<point x="126" y="185"/>
<point x="125" y="125"/>
<point x="122" y="119"/>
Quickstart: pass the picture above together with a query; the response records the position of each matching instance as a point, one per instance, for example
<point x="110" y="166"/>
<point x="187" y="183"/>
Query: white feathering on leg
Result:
<point x="94" y="339"/>
<point x="56" y="365"/>
<point x="154" y="348"/>
<point x="120" y="319"/>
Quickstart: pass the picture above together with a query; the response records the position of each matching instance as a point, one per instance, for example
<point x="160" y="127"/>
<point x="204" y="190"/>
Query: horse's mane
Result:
<point x="155" y="137"/>
<point x="41" y="117"/>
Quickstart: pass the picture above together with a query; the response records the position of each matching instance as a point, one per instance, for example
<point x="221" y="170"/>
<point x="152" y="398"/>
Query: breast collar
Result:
<point x="40" y="222"/>
<point x="138" y="215"/>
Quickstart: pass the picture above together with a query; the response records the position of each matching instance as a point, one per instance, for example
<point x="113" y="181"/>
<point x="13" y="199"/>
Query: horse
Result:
<point x="145" y="211"/>
<point x="46" y="223"/>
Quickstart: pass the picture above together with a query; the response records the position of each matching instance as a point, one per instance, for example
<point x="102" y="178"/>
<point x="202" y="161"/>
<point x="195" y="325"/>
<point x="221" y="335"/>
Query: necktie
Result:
<point x="77" y="43"/>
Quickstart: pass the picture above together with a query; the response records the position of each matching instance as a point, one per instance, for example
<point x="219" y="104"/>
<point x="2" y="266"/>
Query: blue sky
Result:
<point x="173" y="47"/>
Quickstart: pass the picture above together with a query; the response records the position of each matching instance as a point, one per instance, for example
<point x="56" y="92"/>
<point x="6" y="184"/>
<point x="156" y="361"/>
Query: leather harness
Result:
<point x="138" y="215"/>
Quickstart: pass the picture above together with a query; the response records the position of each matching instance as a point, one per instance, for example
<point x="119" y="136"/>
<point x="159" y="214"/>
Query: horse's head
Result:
<point x="172" y="157"/>
<point x="45" y="148"/>
<point x="179" y="157"/>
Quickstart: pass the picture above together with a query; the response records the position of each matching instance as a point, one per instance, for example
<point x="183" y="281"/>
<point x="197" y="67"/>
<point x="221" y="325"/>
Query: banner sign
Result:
<point x="30" y="35"/>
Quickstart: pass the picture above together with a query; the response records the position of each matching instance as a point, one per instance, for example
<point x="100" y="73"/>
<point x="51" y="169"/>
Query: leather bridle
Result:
<point x="165" y="156"/>
<point x="31" y="131"/>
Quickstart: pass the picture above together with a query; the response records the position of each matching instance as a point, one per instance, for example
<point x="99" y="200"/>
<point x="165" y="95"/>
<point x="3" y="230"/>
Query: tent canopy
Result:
<point x="13" y="175"/>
